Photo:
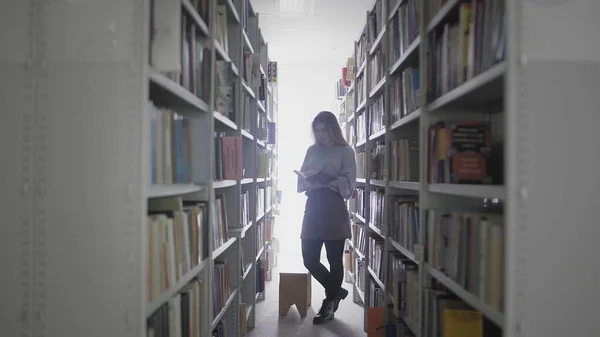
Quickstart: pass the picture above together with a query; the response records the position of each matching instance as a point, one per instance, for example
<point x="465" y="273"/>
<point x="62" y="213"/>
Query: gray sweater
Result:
<point x="338" y="161"/>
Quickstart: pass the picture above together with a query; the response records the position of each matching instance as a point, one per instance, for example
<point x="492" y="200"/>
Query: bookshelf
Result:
<point x="344" y="105"/>
<point x="153" y="126"/>
<point x="435" y="226"/>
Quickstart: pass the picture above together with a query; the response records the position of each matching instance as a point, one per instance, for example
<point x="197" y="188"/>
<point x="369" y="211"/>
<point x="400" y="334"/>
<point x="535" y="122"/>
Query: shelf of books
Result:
<point x="272" y="194"/>
<point x="428" y="213"/>
<point x="344" y="105"/>
<point x="258" y="92"/>
<point x="435" y="111"/>
<point x="155" y="144"/>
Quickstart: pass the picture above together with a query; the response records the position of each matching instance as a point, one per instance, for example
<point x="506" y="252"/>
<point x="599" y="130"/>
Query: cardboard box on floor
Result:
<point x="375" y="322"/>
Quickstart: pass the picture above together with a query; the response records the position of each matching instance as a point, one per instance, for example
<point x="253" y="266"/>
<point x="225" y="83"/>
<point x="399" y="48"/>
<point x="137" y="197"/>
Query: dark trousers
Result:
<point x="330" y="279"/>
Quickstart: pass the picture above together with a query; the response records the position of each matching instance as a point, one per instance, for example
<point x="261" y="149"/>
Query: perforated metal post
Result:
<point x="553" y="56"/>
<point x="89" y="192"/>
<point x="18" y="29"/>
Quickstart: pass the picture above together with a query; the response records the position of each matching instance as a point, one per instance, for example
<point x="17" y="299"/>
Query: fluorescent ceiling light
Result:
<point x="296" y="7"/>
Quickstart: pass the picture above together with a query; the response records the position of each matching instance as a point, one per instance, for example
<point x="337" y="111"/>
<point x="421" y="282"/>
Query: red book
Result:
<point x="345" y="76"/>
<point x="231" y="150"/>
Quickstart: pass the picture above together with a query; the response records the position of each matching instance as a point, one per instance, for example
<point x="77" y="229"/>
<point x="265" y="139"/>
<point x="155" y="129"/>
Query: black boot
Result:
<point x="342" y="294"/>
<point x="325" y="314"/>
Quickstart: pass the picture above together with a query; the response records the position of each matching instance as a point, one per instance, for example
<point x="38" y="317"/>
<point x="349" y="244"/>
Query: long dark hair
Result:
<point x="335" y="132"/>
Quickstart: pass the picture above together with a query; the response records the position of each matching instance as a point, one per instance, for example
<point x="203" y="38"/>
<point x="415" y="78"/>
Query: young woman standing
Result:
<point x="326" y="220"/>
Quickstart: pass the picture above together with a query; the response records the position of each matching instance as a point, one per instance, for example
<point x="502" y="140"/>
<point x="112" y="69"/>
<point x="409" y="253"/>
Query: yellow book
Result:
<point x="462" y="323"/>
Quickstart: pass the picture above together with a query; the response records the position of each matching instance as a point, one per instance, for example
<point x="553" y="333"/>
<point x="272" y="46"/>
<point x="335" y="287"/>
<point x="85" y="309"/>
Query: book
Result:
<point x="315" y="178"/>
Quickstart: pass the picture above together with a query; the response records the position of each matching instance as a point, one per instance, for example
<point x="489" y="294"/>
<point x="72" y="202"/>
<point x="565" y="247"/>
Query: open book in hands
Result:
<point x="315" y="178"/>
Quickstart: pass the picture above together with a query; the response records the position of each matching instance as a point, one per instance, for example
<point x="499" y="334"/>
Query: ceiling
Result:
<point x="309" y="31"/>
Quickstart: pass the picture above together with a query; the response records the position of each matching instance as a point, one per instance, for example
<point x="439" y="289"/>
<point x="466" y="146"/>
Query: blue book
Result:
<point x="178" y="154"/>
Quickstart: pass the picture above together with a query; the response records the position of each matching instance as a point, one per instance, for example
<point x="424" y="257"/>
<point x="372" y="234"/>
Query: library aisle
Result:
<point x="348" y="318"/>
<point x="347" y="322"/>
<point x="140" y="170"/>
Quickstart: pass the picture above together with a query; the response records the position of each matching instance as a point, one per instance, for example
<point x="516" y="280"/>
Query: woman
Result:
<point x="326" y="220"/>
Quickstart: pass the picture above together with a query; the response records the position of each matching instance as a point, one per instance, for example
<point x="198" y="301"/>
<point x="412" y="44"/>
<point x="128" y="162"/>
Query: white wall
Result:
<point x="304" y="90"/>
